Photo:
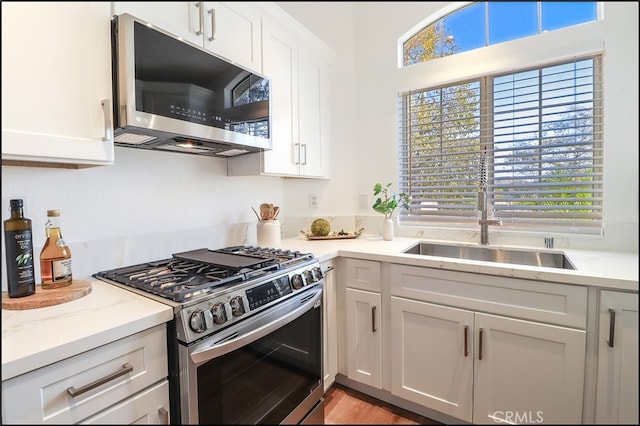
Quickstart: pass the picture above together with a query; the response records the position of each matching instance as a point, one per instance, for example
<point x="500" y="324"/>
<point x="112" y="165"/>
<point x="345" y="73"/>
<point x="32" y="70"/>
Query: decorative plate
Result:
<point x="334" y="235"/>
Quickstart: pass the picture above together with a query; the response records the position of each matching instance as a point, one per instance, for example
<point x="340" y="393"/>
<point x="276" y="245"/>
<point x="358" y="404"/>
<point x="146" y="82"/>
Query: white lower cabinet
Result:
<point x="364" y="338"/>
<point x="363" y="321"/>
<point x="485" y="368"/>
<point x="329" y="325"/>
<point x="149" y="407"/>
<point x="527" y="372"/>
<point x="121" y="382"/>
<point x="469" y="356"/>
<point x="617" y="377"/>
<point x="432" y="356"/>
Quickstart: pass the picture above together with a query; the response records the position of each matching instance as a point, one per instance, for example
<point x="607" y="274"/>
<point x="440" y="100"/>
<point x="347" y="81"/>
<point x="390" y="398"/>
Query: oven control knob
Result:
<point x="221" y="313"/>
<point x="308" y="277"/>
<point x="318" y="273"/>
<point x="197" y="321"/>
<point x="296" y="281"/>
<point x="238" y="306"/>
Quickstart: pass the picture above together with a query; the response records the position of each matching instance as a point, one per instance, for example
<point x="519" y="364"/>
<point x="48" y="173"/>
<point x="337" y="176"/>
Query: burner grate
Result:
<point x="196" y="273"/>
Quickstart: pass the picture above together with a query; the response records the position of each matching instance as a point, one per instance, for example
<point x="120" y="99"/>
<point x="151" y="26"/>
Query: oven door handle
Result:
<point x="255" y="328"/>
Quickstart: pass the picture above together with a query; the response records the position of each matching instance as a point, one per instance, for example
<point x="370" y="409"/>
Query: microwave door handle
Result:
<point x="108" y="126"/>
<point x="200" y="354"/>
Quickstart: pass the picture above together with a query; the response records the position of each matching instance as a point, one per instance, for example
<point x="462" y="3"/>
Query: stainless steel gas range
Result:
<point x="245" y="344"/>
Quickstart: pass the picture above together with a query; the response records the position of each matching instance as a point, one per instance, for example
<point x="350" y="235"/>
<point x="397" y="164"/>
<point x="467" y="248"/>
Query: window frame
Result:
<point x="539" y="50"/>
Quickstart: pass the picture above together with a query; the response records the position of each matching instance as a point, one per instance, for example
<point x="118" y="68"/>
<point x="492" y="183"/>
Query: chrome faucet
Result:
<point x="484" y="222"/>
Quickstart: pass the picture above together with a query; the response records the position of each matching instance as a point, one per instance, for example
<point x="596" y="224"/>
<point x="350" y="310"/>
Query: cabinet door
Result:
<point x="179" y="18"/>
<point x="279" y="63"/>
<point x="312" y="114"/>
<point x="432" y="356"/>
<point x="364" y="340"/>
<point x="232" y="30"/>
<point x="330" y="327"/>
<point x="56" y="83"/>
<point x="527" y="372"/>
<point x="617" y="383"/>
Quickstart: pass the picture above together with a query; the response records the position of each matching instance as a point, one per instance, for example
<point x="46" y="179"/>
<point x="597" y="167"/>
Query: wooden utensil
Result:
<point x="264" y="211"/>
<point x="276" y="211"/>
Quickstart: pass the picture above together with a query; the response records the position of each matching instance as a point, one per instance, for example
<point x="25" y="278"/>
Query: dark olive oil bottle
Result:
<point x="18" y="242"/>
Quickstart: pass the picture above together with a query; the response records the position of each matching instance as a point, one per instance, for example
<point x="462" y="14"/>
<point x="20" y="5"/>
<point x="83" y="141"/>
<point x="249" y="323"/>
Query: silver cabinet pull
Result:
<point x="612" y="326"/>
<point x="480" y="345"/>
<point x="73" y="392"/>
<point x="164" y="415"/>
<point x="212" y="12"/>
<point x="373" y="319"/>
<point x="296" y="153"/>
<point x="466" y="338"/>
<point x="304" y="162"/>
<point x="200" y="19"/>
<point x="108" y="126"/>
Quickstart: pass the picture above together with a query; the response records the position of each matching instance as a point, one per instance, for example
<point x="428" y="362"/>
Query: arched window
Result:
<point x="481" y="24"/>
<point x="528" y="136"/>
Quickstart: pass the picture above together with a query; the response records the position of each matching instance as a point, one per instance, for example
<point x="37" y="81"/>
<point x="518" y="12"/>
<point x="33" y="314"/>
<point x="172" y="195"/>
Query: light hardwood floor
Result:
<point x="343" y="405"/>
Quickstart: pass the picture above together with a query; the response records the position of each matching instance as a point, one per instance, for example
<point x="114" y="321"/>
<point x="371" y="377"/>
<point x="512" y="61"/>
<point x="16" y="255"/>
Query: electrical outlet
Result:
<point x="313" y="200"/>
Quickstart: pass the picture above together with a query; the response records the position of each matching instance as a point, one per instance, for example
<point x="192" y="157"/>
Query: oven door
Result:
<point x="267" y="369"/>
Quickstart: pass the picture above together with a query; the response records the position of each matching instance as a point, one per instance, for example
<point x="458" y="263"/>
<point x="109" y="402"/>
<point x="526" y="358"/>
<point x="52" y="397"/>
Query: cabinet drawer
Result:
<point x="119" y="369"/>
<point x="149" y="407"/>
<point x="363" y="274"/>
<point x="527" y="299"/>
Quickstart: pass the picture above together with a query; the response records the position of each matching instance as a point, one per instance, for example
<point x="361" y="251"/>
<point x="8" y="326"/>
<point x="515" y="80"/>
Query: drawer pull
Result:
<point x="480" y="345"/>
<point x="73" y="392"/>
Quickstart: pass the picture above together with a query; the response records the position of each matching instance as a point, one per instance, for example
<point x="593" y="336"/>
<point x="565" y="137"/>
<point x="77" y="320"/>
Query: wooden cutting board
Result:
<point x="42" y="298"/>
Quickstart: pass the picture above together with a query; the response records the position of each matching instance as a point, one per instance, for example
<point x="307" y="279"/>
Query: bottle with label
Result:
<point x="18" y="240"/>
<point x="55" y="257"/>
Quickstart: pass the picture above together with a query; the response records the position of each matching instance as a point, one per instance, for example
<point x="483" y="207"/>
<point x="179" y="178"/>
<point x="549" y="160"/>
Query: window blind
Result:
<point x="540" y="131"/>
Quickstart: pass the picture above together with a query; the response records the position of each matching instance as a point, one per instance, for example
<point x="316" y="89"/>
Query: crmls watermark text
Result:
<point x="518" y="417"/>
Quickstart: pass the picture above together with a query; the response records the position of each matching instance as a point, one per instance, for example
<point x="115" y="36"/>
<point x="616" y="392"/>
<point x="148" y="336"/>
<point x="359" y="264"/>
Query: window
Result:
<point x="485" y="23"/>
<point x="537" y="134"/>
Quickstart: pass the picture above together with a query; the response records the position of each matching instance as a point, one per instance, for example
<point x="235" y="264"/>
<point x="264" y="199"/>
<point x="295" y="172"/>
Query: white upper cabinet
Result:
<point x="232" y="30"/>
<point x="56" y="84"/>
<point x="299" y="73"/>
<point x="228" y="29"/>
<point x="313" y="119"/>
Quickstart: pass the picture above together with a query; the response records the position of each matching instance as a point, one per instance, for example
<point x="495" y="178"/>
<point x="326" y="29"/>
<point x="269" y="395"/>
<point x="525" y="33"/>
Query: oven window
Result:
<point x="266" y="380"/>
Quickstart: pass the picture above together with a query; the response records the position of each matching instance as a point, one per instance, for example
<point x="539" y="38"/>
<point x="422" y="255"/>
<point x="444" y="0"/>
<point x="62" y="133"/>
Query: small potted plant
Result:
<point x="386" y="203"/>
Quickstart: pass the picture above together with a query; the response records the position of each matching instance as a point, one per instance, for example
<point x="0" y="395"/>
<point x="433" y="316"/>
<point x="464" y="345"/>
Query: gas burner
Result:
<point x="194" y="274"/>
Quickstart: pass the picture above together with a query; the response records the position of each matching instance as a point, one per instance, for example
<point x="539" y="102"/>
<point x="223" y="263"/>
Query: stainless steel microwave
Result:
<point x="171" y="95"/>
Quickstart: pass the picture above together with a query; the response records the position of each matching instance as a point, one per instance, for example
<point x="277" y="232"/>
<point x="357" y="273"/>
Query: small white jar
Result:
<point x="268" y="232"/>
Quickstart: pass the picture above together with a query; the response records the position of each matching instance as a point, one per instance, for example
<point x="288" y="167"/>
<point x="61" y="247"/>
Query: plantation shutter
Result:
<point x="540" y="131"/>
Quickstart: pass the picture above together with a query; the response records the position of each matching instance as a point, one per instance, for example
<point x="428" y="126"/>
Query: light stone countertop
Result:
<point x="38" y="337"/>
<point x="614" y="270"/>
<point x="35" y="338"/>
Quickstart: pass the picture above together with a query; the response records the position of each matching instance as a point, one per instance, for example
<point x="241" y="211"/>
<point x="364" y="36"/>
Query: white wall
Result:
<point x="152" y="204"/>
